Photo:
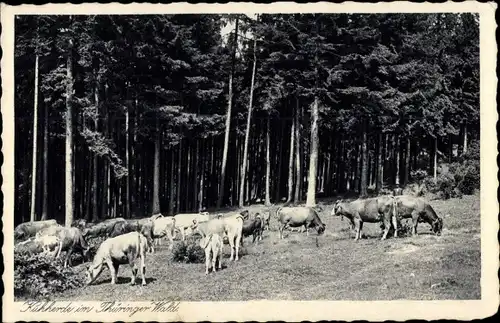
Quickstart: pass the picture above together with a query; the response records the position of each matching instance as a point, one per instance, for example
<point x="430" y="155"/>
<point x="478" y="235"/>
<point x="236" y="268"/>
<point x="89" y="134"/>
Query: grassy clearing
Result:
<point x="426" y="267"/>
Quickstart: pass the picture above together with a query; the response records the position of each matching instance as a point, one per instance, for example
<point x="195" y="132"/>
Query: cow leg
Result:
<point x="395" y="224"/>
<point x="238" y="239"/>
<point x="220" y="255"/>
<point x="414" y="217"/>
<point x="387" y="226"/>
<point x="112" y="270"/>
<point x="214" y="259"/>
<point x="68" y="257"/>
<point x="59" y="249"/>
<point x="133" y="266"/>
<point x="143" y="268"/>
<point x="357" y="227"/>
<point x="231" y="245"/>
<point x="207" y="260"/>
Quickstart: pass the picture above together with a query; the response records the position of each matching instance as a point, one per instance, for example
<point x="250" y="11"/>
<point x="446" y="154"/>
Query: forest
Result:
<point x="128" y="116"/>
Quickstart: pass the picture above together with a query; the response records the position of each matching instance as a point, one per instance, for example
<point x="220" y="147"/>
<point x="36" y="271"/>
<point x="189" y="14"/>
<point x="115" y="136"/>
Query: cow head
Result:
<point x="245" y="214"/>
<point x="93" y="271"/>
<point x="337" y="207"/>
<point x="437" y="226"/>
<point x="195" y="224"/>
<point x="321" y="228"/>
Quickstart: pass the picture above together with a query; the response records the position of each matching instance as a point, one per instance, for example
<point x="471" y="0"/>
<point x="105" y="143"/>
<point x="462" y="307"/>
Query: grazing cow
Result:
<point x="254" y="225"/>
<point x="212" y="245"/>
<point x="29" y="229"/>
<point x="163" y="226"/>
<point x="113" y="252"/>
<point x="299" y="216"/>
<point x="102" y="229"/>
<point x="71" y="240"/>
<point x="185" y="220"/>
<point x="144" y="226"/>
<point x="371" y="210"/>
<point x="419" y="210"/>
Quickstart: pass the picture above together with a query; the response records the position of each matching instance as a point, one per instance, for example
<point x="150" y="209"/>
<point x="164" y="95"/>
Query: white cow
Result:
<point x="231" y="226"/>
<point x="164" y="226"/>
<point x="213" y="251"/>
<point x="123" y="249"/>
<point x="185" y="220"/>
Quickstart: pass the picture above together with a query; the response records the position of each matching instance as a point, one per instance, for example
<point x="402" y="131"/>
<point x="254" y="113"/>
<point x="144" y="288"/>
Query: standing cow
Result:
<point x="369" y="210"/>
<point x="113" y="252"/>
<point x="253" y="226"/>
<point x="212" y="245"/>
<point x="419" y="210"/>
<point x="299" y="216"/>
<point x="164" y="226"/>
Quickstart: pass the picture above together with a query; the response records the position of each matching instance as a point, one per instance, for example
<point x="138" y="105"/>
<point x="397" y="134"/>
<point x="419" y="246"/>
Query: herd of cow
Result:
<point x="128" y="240"/>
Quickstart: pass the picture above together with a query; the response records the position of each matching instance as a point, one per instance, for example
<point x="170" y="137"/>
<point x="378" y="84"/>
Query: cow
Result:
<point x="299" y="216"/>
<point x="123" y="249"/>
<point x="48" y="243"/>
<point x="102" y="229"/>
<point x="254" y="226"/>
<point x="371" y="210"/>
<point x="29" y="229"/>
<point x="231" y="226"/>
<point x="163" y="226"/>
<point x="144" y="226"/>
<point x="31" y="246"/>
<point x="71" y="240"/>
<point x="212" y="245"/>
<point x="185" y="220"/>
<point x="419" y="210"/>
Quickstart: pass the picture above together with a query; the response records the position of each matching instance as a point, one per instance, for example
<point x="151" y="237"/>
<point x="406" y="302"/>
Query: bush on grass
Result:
<point x="188" y="251"/>
<point x="39" y="276"/>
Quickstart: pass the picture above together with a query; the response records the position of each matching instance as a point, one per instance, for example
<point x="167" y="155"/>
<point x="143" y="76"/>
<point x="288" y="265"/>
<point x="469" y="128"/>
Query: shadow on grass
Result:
<point x="124" y="280"/>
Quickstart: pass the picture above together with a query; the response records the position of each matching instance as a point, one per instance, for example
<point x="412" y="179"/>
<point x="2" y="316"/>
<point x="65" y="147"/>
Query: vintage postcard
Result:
<point x="249" y="162"/>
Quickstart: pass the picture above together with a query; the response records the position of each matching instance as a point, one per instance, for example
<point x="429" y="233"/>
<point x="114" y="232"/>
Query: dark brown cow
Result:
<point x="144" y="226"/>
<point x="102" y="229"/>
<point x="369" y="210"/>
<point x="253" y="226"/>
<point x="299" y="216"/>
<point x="419" y="210"/>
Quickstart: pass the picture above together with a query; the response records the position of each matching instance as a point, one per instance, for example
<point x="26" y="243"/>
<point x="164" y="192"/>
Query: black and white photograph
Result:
<point x="247" y="156"/>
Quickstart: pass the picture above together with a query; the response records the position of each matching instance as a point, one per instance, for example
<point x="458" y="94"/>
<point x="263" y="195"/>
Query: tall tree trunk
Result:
<point x="268" y="162"/>
<point x="172" y="187"/>
<point x="364" y="162"/>
<point x="228" y="120"/>
<point x="407" y="161"/>
<point x="156" y="172"/>
<point x="291" y="162"/>
<point x="179" y="186"/>
<point x="278" y="166"/>
<point x="298" y="169"/>
<point x="45" y="163"/>
<point x="397" y="152"/>
<point x="69" y="187"/>
<point x="247" y="132"/>
<point x="313" y="159"/>
<point x="434" y="158"/>
<point x="380" y="165"/>
<point x="202" y="177"/>
<point x="95" y="212"/>
<point x="35" y="155"/>
<point x="464" y="148"/>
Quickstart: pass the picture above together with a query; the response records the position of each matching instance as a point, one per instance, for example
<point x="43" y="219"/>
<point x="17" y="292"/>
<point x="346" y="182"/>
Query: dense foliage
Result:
<point x="39" y="276"/>
<point x="146" y="99"/>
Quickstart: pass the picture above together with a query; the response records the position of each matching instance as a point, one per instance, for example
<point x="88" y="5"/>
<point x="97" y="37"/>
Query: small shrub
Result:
<point x="39" y="276"/>
<point x="188" y="251"/>
<point x="418" y="175"/>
